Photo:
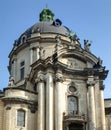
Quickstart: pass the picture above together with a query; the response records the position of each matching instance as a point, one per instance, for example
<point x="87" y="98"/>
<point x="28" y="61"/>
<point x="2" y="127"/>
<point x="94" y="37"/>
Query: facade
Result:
<point x="54" y="84"/>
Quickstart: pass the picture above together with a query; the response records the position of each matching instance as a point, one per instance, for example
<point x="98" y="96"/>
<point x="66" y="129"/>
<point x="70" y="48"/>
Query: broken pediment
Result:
<point x="73" y="63"/>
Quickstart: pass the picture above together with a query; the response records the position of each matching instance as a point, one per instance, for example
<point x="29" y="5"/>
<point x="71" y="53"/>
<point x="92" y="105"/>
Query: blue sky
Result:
<point x="89" y="19"/>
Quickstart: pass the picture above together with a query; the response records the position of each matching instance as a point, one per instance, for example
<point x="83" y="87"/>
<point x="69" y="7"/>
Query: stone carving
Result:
<point x="32" y="108"/>
<point x="87" y="45"/>
<point x="58" y="39"/>
<point x="41" y="52"/>
<point x="75" y="64"/>
<point x="59" y="77"/>
<point x="11" y="81"/>
<point x="72" y="63"/>
<point x="40" y="78"/>
<point x="8" y="106"/>
<point x="101" y="85"/>
<point x="90" y="83"/>
<point x="58" y="44"/>
<point x="72" y="35"/>
<point x="98" y="64"/>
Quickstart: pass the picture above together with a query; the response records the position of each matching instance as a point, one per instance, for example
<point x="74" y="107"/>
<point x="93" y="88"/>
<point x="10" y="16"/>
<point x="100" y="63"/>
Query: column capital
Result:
<point x="90" y="83"/>
<point x="40" y="78"/>
<point x="59" y="77"/>
<point x="101" y="85"/>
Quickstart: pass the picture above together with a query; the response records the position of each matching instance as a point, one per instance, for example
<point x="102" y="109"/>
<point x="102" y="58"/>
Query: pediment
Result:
<point x="72" y="63"/>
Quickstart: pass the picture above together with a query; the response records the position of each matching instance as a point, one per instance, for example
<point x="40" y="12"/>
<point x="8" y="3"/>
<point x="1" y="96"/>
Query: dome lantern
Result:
<point x="46" y="15"/>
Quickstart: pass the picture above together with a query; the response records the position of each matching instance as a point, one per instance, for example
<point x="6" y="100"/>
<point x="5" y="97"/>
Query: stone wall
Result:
<point x="1" y="114"/>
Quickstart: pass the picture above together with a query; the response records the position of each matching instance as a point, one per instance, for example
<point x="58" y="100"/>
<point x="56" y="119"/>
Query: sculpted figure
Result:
<point x="87" y="45"/>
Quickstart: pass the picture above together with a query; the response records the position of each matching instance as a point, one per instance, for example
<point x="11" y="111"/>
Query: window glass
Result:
<point x="20" y="118"/>
<point x="22" y="73"/>
<point x="22" y="70"/>
<point x="22" y="64"/>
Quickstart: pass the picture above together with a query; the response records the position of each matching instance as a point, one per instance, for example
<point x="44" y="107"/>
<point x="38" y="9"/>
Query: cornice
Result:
<point x="18" y="88"/>
<point x="17" y="99"/>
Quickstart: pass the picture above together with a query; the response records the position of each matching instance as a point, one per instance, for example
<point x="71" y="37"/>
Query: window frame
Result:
<point x="23" y="39"/>
<point x="22" y="70"/>
<point x="21" y="122"/>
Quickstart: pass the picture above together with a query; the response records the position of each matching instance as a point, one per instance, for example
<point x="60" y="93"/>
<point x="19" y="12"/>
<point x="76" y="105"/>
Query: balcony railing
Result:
<point x="74" y="117"/>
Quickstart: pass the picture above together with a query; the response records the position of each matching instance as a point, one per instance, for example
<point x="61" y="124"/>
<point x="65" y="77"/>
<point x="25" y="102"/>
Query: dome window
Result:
<point x="57" y="23"/>
<point x="23" y="39"/>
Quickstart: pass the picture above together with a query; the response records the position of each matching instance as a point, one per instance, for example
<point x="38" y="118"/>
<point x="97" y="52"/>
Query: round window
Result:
<point x="72" y="89"/>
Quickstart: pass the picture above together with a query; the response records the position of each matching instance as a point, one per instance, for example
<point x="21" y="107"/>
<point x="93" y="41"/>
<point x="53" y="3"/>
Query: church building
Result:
<point x="55" y="83"/>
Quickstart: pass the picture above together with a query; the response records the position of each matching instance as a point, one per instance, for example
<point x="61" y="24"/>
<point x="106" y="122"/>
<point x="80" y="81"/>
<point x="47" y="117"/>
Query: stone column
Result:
<point x="91" y="107"/>
<point x="49" y="102"/>
<point x="41" y="102"/>
<point x="8" y="116"/>
<point x="102" y="106"/>
<point x="58" y="102"/>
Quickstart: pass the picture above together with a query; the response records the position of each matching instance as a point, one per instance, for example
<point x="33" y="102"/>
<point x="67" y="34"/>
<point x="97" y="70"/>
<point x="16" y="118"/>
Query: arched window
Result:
<point x="72" y="105"/>
<point x="23" y="39"/>
<point x="20" y="117"/>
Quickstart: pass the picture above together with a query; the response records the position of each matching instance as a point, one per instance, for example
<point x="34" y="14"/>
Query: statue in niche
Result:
<point x="87" y="45"/>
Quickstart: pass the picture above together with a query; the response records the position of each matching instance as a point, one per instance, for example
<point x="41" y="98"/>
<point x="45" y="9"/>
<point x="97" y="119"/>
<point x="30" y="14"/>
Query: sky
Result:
<point x="90" y="20"/>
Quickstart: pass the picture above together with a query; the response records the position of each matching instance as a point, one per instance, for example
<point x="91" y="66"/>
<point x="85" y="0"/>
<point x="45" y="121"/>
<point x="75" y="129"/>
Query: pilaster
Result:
<point x="49" y="101"/>
<point x="102" y="105"/>
<point x="34" y="52"/>
<point x="31" y="56"/>
<point x="91" y="103"/>
<point x="58" y="101"/>
<point x="41" y="102"/>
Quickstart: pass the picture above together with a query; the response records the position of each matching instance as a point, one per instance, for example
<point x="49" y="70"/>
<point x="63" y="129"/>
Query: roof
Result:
<point x="46" y="27"/>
